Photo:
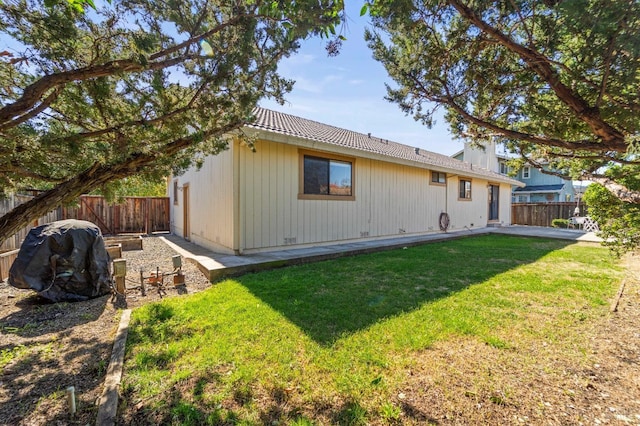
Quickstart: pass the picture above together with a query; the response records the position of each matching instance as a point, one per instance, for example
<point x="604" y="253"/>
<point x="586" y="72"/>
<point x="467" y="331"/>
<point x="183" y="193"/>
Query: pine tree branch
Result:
<point x="449" y="99"/>
<point x="612" y="139"/>
<point x="619" y="190"/>
<point x="46" y="103"/>
<point x="96" y="176"/>
<point x="34" y="92"/>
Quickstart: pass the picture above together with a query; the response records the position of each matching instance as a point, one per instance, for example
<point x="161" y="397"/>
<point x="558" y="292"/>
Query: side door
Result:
<point x="185" y="213"/>
<point x="494" y="202"/>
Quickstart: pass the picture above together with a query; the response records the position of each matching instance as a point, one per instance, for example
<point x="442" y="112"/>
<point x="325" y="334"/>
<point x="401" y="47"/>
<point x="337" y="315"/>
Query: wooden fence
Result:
<point x="7" y="204"/>
<point x="542" y="214"/>
<point x="6" y="260"/>
<point x="142" y="215"/>
<point x="9" y="248"/>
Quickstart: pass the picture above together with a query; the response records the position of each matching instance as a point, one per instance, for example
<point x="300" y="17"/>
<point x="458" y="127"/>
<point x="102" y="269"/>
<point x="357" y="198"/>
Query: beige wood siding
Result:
<point x="243" y="201"/>
<point x="211" y="203"/>
<point x="468" y="213"/>
<point x="267" y="194"/>
<point x="505" y="204"/>
<point x="390" y="200"/>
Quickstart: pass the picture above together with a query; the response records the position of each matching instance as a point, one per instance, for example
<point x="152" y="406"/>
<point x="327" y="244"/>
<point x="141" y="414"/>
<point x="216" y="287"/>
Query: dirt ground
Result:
<point x="536" y="385"/>
<point x="45" y="348"/>
<point x="69" y="344"/>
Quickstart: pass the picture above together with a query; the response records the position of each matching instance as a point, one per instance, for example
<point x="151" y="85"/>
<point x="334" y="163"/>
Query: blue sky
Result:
<point x="348" y="91"/>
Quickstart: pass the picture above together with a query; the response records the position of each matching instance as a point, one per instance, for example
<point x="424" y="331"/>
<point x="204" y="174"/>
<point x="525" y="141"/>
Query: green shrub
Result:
<point x="560" y="223"/>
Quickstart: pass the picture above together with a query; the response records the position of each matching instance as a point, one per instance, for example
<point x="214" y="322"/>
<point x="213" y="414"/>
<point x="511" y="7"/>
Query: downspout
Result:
<point x="237" y="223"/>
<point x="446" y="194"/>
<point x="446" y="204"/>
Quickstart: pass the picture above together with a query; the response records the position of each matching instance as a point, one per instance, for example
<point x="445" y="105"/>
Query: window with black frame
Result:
<point x="438" y="178"/>
<point x="465" y="189"/>
<point x="327" y="177"/>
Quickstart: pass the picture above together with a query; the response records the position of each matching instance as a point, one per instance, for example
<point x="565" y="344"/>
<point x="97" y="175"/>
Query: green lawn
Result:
<point x="332" y="342"/>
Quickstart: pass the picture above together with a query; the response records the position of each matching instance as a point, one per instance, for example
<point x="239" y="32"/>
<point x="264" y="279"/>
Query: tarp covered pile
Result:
<point x="63" y="261"/>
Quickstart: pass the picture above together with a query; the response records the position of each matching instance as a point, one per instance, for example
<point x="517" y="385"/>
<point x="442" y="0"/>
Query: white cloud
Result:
<point x="306" y="85"/>
<point x="300" y="59"/>
<point x="316" y="86"/>
<point x="331" y="78"/>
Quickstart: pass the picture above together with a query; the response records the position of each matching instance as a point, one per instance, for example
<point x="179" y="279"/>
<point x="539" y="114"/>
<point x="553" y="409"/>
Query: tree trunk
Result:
<point x="49" y="200"/>
<point x="92" y="178"/>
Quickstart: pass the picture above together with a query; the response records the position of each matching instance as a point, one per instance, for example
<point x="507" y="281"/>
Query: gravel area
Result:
<point x="156" y="256"/>
<point x="47" y="347"/>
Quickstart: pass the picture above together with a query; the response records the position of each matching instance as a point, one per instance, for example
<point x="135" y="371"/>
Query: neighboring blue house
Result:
<point x="540" y="187"/>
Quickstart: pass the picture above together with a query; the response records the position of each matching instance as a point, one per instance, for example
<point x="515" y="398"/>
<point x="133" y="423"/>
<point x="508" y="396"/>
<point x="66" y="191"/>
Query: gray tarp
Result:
<point x="63" y="261"/>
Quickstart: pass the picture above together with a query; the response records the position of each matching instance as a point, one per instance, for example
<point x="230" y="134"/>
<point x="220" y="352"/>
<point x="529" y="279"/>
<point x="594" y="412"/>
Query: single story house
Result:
<point x="310" y="183"/>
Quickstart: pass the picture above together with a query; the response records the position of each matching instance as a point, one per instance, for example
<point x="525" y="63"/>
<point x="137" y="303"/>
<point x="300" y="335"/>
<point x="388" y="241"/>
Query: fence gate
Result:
<point x="142" y="215"/>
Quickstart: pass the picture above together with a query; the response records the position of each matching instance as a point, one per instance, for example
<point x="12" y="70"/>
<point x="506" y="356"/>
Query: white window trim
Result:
<point x="526" y="169"/>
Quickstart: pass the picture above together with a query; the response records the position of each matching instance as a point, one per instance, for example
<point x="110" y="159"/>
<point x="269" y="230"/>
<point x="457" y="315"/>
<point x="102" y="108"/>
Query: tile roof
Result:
<point x="292" y="125"/>
<point x="541" y="188"/>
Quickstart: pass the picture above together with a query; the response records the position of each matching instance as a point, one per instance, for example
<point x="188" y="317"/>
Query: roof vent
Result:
<point x="369" y="135"/>
<point x="417" y="150"/>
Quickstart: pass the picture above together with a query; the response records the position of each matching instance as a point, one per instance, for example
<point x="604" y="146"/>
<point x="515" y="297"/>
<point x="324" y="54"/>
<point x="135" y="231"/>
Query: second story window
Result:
<point x="526" y="172"/>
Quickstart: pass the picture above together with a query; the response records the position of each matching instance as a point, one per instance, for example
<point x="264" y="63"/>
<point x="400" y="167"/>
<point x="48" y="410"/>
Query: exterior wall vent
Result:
<point x="364" y="234"/>
<point x="289" y="241"/>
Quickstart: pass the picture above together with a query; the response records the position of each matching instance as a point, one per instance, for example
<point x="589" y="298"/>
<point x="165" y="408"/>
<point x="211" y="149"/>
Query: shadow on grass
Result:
<point x="37" y="380"/>
<point x="38" y="316"/>
<point x="330" y="299"/>
<point x="180" y="406"/>
<point x="186" y="404"/>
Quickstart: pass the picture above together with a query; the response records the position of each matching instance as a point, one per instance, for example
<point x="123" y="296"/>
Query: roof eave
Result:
<point x="540" y="192"/>
<point x="276" y="136"/>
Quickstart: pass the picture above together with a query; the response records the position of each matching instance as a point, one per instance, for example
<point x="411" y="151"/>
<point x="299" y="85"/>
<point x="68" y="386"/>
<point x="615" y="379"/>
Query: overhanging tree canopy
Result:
<point x="134" y="87"/>
<point x="557" y="80"/>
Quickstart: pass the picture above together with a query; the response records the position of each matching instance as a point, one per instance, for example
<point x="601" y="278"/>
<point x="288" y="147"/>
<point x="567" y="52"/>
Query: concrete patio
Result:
<point x="216" y="265"/>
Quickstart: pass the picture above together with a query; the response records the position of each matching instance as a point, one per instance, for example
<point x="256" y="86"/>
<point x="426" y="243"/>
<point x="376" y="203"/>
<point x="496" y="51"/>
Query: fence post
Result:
<point x="147" y="212"/>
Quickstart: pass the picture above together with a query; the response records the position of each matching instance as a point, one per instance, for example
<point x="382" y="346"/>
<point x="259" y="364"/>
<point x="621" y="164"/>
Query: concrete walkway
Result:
<point x="542" y="232"/>
<point x="216" y="265"/>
